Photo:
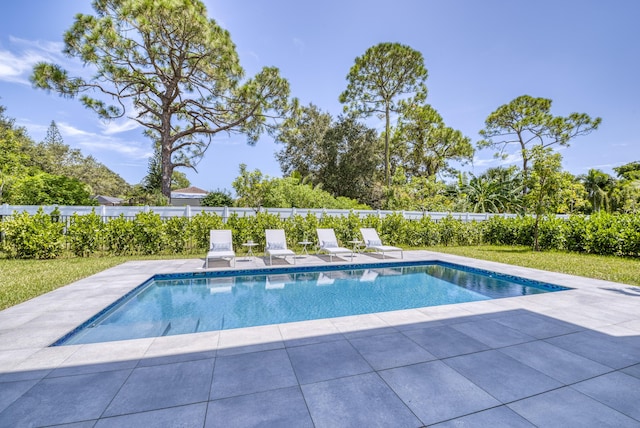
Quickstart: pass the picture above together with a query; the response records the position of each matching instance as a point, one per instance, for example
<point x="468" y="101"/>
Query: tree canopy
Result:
<point x="340" y="155"/>
<point x="177" y="69"/>
<point x="526" y="122"/>
<point x="379" y="79"/>
<point x="425" y="145"/>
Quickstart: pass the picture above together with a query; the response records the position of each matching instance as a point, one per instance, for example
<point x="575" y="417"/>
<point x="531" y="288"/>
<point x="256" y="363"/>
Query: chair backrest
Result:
<point x="370" y="234"/>
<point x="326" y="235"/>
<point x="222" y="236"/>
<point x="276" y="238"/>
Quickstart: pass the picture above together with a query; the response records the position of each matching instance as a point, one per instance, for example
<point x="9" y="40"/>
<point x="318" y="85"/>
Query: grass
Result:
<point x="609" y="268"/>
<point x="21" y="280"/>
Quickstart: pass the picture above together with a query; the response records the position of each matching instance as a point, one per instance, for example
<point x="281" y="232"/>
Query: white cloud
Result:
<point x="105" y="143"/>
<point x="117" y="126"/>
<point x="16" y="65"/>
<point x="511" y="158"/>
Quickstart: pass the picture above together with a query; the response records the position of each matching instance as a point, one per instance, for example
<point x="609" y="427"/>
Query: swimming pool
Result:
<point x="206" y="301"/>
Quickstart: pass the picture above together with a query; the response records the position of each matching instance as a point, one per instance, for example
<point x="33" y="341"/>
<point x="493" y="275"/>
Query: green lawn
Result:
<point x="21" y="280"/>
<point x="610" y="268"/>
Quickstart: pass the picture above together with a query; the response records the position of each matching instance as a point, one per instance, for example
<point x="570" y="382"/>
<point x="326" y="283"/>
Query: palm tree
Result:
<point x="497" y="190"/>
<point x="598" y="185"/>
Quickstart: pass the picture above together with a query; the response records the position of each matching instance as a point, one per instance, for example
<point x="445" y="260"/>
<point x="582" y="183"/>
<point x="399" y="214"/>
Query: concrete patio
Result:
<point x="564" y="359"/>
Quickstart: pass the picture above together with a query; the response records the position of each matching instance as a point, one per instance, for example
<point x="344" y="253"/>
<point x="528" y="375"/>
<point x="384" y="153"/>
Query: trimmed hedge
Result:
<point x="43" y="236"/>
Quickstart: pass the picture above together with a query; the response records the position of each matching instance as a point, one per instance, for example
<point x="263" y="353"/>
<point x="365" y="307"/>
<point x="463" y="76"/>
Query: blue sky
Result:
<point x="583" y="54"/>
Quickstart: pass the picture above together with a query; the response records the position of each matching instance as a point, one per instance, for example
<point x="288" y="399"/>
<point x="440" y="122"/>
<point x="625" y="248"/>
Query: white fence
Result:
<point x="107" y="212"/>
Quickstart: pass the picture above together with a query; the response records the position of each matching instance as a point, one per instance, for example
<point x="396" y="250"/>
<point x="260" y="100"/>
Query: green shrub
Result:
<point x="176" y="234"/>
<point x="199" y="228"/>
<point x="552" y="233"/>
<point x="85" y="234"/>
<point x="119" y="236"/>
<point x="148" y="233"/>
<point x="576" y="234"/>
<point x="32" y="237"/>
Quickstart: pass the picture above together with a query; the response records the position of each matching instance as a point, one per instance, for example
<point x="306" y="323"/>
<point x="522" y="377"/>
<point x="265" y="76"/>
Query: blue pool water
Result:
<point x="194" y="302"/>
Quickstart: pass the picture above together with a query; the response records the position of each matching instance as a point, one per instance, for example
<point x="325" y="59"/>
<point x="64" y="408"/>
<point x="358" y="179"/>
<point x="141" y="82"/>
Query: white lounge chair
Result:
<point x="372" y="242"/>
<point x="277" y="245"/>
<point x="220" y="247"/>
<point x="328" y="243"/>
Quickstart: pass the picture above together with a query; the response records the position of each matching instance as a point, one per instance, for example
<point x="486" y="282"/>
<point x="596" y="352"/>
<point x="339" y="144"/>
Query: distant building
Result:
<point x="108" y="200"/>
<point x="188" y="196"/>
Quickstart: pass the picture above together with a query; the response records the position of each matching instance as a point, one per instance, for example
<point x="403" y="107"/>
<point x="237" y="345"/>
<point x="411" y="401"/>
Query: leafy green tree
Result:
<point x="572" y="195"/>
<point x="48" y="189"/>
<point x="258" y="191"/>
<point x="251" y="187"/>
<point x="425" y="145"/>
<point x="416" y="193"/>
<point x="626" y="194"/>
<point x="13" y="153"/>
<point x="629" y="171"/>
<point x="217" y="198"/>
<point x="341" y="156"/>
<point x="544" y="184"/>
<point x="178" y="69"/>
<point x="303" y="134"/>
<point x="527" y="122"/>
<point x="379" y="79"/>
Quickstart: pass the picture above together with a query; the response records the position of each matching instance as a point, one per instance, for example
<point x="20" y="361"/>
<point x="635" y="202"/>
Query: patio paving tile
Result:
<point x="357" y="401"/>
<point x="492" y="334"/>
<point x="538" y="326"/>
<point x="277" y="408"/>
<point x="614" y="352"/>
<point x="567" y="407"/>
<point x="249" y="373"/>
<point x="190" y="416"/>
<point x="390" y="350"/>
<point x="617" y="390"/>
<point x="502" y="376"/>
<point x="585" y="332"/>
<point x="555" y="362"/>
<point x="633" y="370"/>
<point x="435" y="392"/>
<point x="498" y="417"/>
<point x="64" y="400"/>
<point x="324" y="361"/>
<point x="157" y="387"/>
<point x="11" y="391"/>
<point x="445" y="341"/>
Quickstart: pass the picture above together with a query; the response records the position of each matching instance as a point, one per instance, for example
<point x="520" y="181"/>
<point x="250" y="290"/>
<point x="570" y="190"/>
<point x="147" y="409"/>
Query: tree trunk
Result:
<point x="536" y="244"/>
<point x="167" y="170"/>
<point x="387" y="177"/>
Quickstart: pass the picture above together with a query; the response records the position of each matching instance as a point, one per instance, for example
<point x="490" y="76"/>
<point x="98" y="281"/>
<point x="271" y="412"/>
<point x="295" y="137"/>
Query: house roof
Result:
<point x="108" y="199"/>
<point x="189" y="192"/>
<point x="191" y="189"/>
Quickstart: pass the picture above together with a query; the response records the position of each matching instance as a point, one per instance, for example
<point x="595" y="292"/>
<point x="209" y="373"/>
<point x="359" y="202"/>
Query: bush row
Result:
<point x="43" y="236"/>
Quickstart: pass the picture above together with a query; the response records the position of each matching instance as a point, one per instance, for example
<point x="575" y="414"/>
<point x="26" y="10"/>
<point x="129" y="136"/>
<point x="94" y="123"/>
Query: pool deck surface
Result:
<point x="563" y="359"/>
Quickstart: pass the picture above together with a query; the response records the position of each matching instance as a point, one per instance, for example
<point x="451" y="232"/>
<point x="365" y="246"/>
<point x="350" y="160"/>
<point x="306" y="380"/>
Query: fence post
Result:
<point x="225" y="214"/>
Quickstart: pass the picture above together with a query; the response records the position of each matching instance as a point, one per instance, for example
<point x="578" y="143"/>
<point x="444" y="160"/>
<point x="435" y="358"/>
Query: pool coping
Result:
<point x="140" y="271"/>
<point x="27" y="329"/>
